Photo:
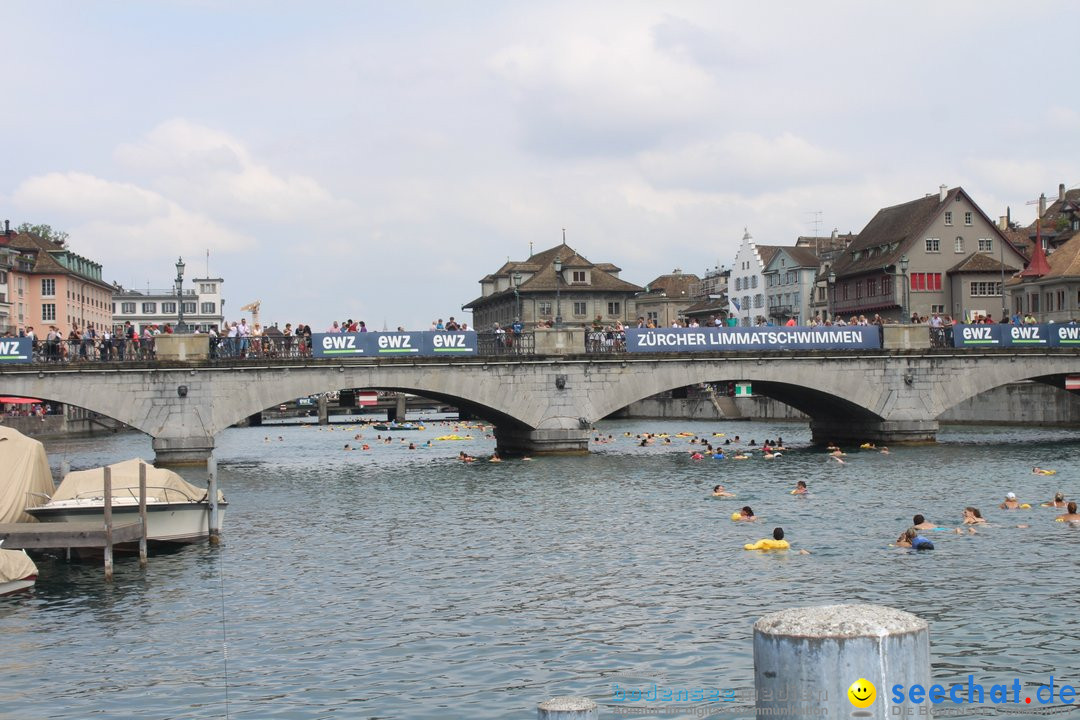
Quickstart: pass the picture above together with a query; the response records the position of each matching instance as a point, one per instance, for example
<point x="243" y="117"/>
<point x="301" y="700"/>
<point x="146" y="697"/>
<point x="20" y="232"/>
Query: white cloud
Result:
<point x="119" y="219"/>
<point x="210" y="170"/>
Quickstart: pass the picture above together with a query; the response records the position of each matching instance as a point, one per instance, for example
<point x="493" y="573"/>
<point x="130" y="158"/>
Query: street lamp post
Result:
<point x="517" y="295"/>
<point x="180" y="327"/>
<point x="558" y="285"/>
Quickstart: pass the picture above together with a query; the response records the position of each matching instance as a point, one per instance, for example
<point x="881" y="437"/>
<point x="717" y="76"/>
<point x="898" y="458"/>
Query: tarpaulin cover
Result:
<point x="24" y="469"/>
<point x="15" y="565"/>
<point x="161" y="484"/>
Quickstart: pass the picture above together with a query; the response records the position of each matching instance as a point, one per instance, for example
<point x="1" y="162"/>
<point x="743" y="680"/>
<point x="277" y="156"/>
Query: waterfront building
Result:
<point x="549" y="282"/>
<point x="49" y="285"/>
<point x="827" y="249"/>
<point x="1050" y="286"/>
<point x="746" y="288"/>
<point x="203" y="305"/>
<point x="665" y="299"/>
<point x="710" y="297"/>
<point x="9" y="258"/>
<point x="789" y="284"/>
<point x="940" y="253"/>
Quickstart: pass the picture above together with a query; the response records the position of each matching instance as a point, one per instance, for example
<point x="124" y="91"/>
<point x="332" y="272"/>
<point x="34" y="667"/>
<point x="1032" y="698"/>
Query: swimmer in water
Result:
<point x="1010" y="502"/>
<point x="495" y="458"/>
<point x="800" y="488"/>
<point x="1071" y="516"/>
<point x="883" y="450"/>
<point x="972" y="516"/>
<point x="1042" y="471"/>
<point x="697" y="456"/>
<point x="348" y="446"/>
<point x="837" y="459"/>
<point x="746" y="514"/>
<point x="719" y="491"/>
<point x="1058" y="501"/>
<point x="920" y="523"/>
<point x="776" y="543"/>
<point x="740" y="456"/>
<point x="912" y="539"/>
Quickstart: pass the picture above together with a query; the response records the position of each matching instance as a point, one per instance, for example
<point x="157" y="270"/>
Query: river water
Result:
<point x="397" y="583"/>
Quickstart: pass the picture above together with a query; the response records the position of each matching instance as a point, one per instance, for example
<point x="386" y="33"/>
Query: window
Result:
<point x="3" y="277"/>
<point x="651" y="315"/>
<point x="209" y="308"/>
<point x="929" y="282"/>
<point x="759" y="301"/>
<point x="577" y="276"/>
<point x="745" y="302"/>
<point x="858" y="290"/>
<point x="189" y="308"/>
<point x="168" y="308"/>
<point x="48" y="288"/>
<point x="127" y="308"/>
<point x="753" y="281"/>
<point x="871" y="287"/>
<point x="821" y="294"/>
<point x="844" y="291"/>
<point x="207" y="288"/>
<point x="939" y="309"/>
<point x="1061" y="299"/>
<point x="738" y="283"/>
<point x="887" y="285"/>
<point x="581" y="308"/>
<point x="958" y="246"/>
<point x="149" y="308"/>
<point x="48" y="311"/>
<point x="933" y="245"/>
<point x="948" y="217"/>
<point x="986" y="245"/>
<point x="968" y="218"/>
<point x="543" y="308"/>
<point x="981" y="288"/>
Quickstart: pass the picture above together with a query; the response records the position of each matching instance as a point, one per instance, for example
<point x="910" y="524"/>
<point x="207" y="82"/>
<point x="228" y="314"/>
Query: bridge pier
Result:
<point x="545" y="441"/>
<point x="882" y="432"/>
<point x="401" y="407"/>
<point x="182" y="451"/>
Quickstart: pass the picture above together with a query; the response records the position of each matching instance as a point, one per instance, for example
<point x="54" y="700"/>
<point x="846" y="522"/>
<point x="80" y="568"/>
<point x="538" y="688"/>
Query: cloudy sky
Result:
<point x="373" y="160"/>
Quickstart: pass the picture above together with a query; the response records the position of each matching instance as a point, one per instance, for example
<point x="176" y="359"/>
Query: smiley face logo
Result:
<point x="862" y="693"/>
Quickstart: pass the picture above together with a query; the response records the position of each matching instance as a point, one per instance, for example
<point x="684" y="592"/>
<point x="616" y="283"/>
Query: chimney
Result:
<point x="1042" y="204"/>
<point x="1061" y="192"/>
<point x="7" y="225"/>
<point x="1003" y="222"/>
<point x="942" y="192"/>
<point x="835" y="233"/>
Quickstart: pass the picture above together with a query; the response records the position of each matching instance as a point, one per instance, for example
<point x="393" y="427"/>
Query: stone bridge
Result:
<point x="546" y="404"/>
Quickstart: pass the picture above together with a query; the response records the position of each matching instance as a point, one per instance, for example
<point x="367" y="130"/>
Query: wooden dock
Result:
<point x="58" y="535"/>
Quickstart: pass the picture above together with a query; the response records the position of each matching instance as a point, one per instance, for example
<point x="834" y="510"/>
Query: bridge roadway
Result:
<point x="546" y="404"/>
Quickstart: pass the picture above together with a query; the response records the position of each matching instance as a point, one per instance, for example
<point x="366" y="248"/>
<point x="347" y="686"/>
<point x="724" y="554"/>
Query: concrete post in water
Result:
<point x="324" y="410"/>
<point x="567" y="708"/>
<point x="108" y="525"/>
<point x="401" y="407"/>
<point x="211" y="491"/>
<point x="142" y="514"/>
<point x="807" y="659"/>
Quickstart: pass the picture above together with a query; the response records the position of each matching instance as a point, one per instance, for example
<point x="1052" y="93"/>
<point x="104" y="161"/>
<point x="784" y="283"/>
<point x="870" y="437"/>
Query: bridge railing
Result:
<point x="505" y="343"/>
<point x="605" y="341"/>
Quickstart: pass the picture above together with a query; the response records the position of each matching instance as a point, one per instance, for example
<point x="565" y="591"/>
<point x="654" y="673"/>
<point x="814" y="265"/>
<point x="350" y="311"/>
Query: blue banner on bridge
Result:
<point x="388" y="344"/>
<point x="16" y="350"/>
<point x="989" y="335"/>
<point x="850" y="337"/>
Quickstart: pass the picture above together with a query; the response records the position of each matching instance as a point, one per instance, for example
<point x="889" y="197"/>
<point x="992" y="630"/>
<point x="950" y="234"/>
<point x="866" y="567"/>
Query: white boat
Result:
<point x="17" y="571"/>
<point x="176" y="510"/>
<point x="25" y="478"/>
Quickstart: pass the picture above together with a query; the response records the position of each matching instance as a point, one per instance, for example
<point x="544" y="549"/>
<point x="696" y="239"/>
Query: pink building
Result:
<point x="48" y="284"/>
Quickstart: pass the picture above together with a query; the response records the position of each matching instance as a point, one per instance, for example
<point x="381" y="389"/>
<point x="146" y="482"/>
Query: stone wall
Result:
<point x="1026" y="403"/>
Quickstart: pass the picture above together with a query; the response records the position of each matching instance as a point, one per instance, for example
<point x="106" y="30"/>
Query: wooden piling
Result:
<point x="212" y="493"/>
<point x="108" y="525"/>
<point x="142" y="514"/>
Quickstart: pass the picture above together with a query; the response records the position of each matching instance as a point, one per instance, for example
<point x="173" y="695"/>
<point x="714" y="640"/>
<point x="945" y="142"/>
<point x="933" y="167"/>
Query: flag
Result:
<point x="735" y="302"/>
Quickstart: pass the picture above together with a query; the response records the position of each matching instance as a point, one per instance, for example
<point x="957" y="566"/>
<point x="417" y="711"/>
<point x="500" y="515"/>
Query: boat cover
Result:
<point x="161" y="484"/>
<point x="24" y="469"/>
<point x="15" y="565"/>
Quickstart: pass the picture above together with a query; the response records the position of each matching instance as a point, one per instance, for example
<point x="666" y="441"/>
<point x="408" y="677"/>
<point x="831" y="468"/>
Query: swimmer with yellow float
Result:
<point x="744" y="515"/>
<point x="1043" y="471"/>
<point x="1071" y="516"/>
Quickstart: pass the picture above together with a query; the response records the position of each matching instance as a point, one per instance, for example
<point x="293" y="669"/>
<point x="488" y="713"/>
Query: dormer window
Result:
<point x="577" y="276"/>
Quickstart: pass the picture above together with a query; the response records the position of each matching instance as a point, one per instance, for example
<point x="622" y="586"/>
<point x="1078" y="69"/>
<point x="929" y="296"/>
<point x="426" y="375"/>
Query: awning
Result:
<point x="18" y="401"/>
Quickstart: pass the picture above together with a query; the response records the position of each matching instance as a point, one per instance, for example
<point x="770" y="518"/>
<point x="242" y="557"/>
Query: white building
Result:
<point x="746" y="286"/>
<point x="203" y="306"/>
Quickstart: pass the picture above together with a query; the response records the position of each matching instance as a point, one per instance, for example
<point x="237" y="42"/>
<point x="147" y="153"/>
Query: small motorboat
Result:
<point x="176" y="510"/>
<point x="17" y="571"/>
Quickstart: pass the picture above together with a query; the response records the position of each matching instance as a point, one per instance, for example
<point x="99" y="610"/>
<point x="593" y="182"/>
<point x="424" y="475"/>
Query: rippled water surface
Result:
<point x="403" y="584"/>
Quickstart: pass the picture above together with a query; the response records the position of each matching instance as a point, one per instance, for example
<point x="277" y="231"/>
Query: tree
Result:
<point x="45" y="232"/>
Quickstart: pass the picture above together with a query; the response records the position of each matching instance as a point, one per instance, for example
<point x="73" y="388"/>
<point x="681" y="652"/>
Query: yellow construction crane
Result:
<point x="253" y="307"/>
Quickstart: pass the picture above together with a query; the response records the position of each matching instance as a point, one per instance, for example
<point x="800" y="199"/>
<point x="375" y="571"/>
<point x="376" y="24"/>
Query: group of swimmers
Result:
<point x="746" y="514"/>
<point x="973" y="517"/>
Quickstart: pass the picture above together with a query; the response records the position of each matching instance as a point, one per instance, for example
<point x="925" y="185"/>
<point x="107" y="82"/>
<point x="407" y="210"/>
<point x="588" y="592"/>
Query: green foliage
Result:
<point x="45" y="232"/>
